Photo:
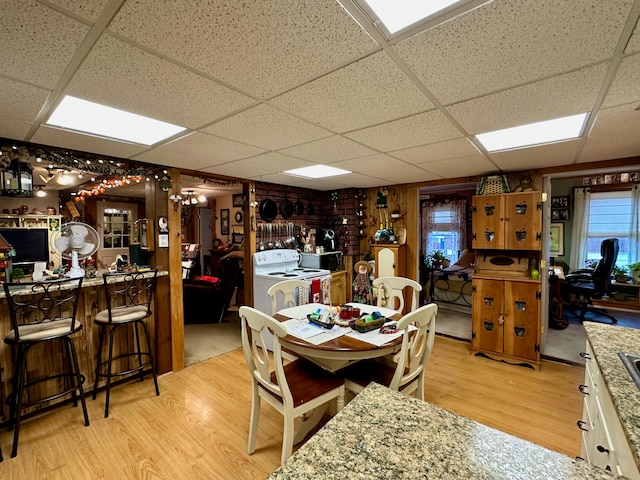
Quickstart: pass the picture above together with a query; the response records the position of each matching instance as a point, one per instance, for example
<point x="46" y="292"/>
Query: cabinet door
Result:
<point x="488" y="222"/>
<point x="521" y="319"/>
<point x="339" y="288"/>
<point x="523" y="221"/>
<point x="487" y="315"/>
<point x="390" y="261"/>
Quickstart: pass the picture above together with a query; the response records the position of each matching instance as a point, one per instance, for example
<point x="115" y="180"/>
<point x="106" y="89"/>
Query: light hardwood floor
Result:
<point x="197" y="427"/>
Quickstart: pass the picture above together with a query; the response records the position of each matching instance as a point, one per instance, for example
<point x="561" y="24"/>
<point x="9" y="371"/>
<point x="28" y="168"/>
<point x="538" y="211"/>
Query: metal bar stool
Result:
<point x="129" y="298"/>
<point x="43" y="312"/>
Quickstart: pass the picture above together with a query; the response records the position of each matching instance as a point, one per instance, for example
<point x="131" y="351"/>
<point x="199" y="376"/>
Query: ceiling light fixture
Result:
<point x="317" y="171"/>
<point x="92" y="118"/>
<point x="40" y="192"/>
<point x="400" y="14"/>
<point x="532" y="134"/>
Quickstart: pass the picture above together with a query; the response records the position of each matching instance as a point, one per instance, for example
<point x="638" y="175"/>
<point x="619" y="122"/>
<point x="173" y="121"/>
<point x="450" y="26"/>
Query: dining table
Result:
<point x="341" y="346"/>
<point x="335" y="348"/>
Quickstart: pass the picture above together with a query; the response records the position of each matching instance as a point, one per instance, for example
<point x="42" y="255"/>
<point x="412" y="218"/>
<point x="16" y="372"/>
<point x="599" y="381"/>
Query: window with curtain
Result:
<point x="444" y="227"/>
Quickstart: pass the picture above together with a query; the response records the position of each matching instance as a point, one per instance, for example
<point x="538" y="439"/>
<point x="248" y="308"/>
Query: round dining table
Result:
<point x="339" y="352"/>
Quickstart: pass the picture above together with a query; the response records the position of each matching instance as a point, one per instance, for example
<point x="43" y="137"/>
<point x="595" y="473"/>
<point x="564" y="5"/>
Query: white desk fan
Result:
<point x="76" y="242"/>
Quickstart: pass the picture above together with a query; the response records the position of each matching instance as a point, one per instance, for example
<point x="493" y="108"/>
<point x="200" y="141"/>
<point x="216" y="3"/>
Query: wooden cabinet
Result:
<point x="339" y="287"/>
<point x="391" y="260"/>
<point x="511" y="221"/>
<point x="506" y="318"/>
<point x="604" y="442"/>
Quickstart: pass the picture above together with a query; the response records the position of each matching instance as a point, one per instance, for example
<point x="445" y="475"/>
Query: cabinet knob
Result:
<point x="583" y="388"/>
<point x="581" y="425"/>
<point x="602" y="449"/>
<point x="585" y="355"/>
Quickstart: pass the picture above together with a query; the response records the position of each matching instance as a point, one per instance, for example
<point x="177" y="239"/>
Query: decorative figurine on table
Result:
<point x="362" y="287"/>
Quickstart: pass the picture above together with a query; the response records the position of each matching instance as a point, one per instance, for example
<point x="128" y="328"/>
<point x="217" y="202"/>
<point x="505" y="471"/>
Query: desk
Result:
<point x="342" y="351"/>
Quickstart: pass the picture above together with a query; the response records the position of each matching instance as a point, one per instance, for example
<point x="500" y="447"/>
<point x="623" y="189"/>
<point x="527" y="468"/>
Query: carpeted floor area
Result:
<point x="207" y="340"/>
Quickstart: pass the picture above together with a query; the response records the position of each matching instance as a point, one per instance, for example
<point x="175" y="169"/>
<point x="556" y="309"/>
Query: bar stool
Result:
<point x="43" y="312"/>
<point x="128" y="298"/>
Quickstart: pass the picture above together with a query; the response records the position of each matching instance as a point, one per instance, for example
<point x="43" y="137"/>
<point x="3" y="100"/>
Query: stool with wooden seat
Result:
<point x="128" y="298"/>
<point x="43" y="312"/>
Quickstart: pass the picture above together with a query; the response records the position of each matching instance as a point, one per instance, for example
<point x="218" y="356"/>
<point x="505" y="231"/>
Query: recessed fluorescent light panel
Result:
<point x="398" y="14"/>
<point x="539" y="133"/>
<point x="95" y="119"/>
<point x="317" y="171"/>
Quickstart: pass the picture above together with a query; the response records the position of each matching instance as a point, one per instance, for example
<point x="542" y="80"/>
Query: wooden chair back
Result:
<point x="288" y="291"/>
<point x="395" y="288"/>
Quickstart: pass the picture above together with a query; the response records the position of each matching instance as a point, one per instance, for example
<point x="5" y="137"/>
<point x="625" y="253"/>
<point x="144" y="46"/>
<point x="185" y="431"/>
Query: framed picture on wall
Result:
<point x="237" y="200"/>
<point x="556" y="240"/>
<point x="561" y="214"/>
<point x="224" y="221"/>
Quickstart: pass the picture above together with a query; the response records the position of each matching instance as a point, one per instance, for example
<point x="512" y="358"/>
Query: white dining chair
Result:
<point x="407" y="376"/>
<point x="394" y="288"/>
<point x="294" y="389"/>
<point x="288" y="291"/>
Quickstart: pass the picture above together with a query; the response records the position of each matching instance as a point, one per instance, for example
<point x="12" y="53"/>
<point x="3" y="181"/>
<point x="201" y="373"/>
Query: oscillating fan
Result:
<point x="76" y="242"/>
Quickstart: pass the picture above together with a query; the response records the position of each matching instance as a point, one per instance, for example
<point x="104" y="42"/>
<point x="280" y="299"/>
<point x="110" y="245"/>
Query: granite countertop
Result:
<point x="382" y="434"/>
<point x="92" y="282"/>
<point x="606" y="341"/>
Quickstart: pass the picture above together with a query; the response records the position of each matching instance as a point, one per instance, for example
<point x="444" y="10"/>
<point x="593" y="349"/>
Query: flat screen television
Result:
<point x="30" y="244"/>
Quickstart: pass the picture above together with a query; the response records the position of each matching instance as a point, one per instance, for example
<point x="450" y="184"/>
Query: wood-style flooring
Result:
<point x="197" y="427"/>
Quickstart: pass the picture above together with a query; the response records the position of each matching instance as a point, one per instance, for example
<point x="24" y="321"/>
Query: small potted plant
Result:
<point x="634" y="270"/>
<point x="436" y="260"/>
<point x="620" y="274"/>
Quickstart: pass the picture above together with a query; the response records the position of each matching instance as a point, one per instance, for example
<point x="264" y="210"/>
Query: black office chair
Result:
<point x="587" y="284"/>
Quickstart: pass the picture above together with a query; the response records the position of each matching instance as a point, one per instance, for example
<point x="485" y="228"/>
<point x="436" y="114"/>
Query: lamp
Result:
<point x="40" y="192"/>
<point x="17" y="180"/>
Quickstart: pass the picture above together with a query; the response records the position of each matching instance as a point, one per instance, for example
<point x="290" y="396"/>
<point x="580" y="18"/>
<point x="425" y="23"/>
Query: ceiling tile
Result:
<point x="626" y="85"/>
<point x="263" y="164"/>
<point x="371" y="91"/>
<point x="267" y="127"/>
<point x="383" y="167"/>
<point x="450" y="149"/>
<point x="264" y="48"/>
<point x="37" y="42"/>
<point x="115" y="73"/>
<point x="20" y="101"/>
<point x="329" y="150"/>
<point x="89" y="9"/>
<point x="459" y="167"/>
<point x="85" y="143"/>
<point x="562" y="153"/>
<point x="503" y="44"/>
<point x="614" y="135"/>
<point x="554" y="97"/>
<point x="634" y="42"/>
<point x="198" y="150"/>
<point x="421" y="129"/>
<point x="16" y="129"/>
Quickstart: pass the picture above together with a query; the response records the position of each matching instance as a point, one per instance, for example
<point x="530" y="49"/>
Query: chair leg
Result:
<point x="112" y="330"/>
<point x="76" y="371"/>
<point x="136" y="331"/>
<point x="99" y="360"/>
<point x="70" y="371"/>
<point x="151" y="357"/>
<point x="22" y="354"/>
<point x="253" y="422"/>
<point x="287" y="438"/>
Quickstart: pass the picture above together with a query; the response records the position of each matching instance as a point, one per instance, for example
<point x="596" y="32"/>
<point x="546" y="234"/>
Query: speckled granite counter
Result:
<point x="383" y="434"/>
<point x="607" y="341"/>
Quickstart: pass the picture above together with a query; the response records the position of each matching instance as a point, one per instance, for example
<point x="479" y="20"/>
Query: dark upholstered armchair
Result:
<point x="587" y="284"/>
<point x="207" y="302"/>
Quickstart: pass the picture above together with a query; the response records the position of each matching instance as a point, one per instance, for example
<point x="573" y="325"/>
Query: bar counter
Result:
<point x="92" y="300"/>
<point x="386" y="434"/>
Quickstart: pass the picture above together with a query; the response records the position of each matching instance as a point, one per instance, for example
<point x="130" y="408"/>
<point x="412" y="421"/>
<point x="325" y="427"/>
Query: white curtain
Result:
<point x="634" y="233"/>
<point x="580" y="228"/>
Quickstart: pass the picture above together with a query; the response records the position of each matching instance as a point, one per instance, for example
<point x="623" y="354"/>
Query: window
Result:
<point x="609" y="217"/>
<point x="117" y="227"/>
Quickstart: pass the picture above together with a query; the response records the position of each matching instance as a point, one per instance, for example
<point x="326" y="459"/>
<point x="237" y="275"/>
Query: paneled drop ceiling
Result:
<point x="266" y="86"/>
